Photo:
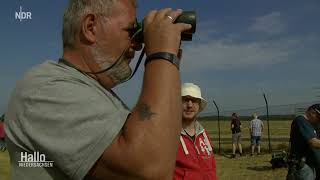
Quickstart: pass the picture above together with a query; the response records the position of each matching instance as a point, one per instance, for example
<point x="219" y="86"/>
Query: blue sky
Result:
<point x="240" y="49"/>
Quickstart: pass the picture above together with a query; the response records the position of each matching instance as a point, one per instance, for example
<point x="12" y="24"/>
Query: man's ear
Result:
<point x="89" y="28"/>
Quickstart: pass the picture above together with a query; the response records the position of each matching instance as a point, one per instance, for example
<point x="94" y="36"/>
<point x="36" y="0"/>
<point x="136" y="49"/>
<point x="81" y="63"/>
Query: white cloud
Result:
<point x="272" y="23"/>
<point x="226" y="54"/>
<point x="205" y="30"/>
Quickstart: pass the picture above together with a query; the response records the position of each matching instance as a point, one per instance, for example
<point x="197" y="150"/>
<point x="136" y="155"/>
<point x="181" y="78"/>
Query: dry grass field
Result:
<point x="279" y="135"/>
<point x="248" y="168"/>
<point x="245" y="167"/>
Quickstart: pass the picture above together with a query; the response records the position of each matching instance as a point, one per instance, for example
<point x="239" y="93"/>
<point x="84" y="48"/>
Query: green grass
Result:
<point x="4" y="166"/>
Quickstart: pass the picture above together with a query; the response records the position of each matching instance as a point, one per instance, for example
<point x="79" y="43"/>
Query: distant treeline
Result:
<point x="247" y="118"/>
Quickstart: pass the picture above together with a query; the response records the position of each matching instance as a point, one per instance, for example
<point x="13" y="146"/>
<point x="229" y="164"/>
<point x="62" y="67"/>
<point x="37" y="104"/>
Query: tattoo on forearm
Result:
<point x="145" y="112"/>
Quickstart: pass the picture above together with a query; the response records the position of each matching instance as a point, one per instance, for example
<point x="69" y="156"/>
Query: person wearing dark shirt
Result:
<point x="236" y="134"/>
<point x="304" y="155"/>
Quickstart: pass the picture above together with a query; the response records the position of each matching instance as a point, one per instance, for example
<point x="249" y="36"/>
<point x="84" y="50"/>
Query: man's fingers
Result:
<point x="173" y="14"/>
<point x="183" y="27"/>
<point x="162" y="13"/>
<point x="149" y="17"/>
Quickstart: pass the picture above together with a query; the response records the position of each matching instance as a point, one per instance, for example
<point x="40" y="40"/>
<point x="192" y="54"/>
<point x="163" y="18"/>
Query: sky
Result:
<point x="241" y="49"/>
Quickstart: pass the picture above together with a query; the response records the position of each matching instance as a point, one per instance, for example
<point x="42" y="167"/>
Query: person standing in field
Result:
<point x="236" y="134"/>
<point x="195" y="158"/>
<point x="256" y="129"/>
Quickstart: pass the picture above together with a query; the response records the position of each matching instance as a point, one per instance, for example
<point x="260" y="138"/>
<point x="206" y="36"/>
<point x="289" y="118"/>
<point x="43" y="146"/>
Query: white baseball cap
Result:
<point x="190" y="89"/>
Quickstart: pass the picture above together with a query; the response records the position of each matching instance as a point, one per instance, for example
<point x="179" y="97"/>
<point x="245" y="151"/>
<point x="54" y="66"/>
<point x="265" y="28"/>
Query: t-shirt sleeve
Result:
<point x="72" y="124"/>
<point x="306" y="130"/>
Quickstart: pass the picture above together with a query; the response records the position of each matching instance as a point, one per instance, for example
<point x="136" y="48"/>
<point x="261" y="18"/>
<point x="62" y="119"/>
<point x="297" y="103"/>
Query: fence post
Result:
<point x="215" y="104"/>
<point x="267" y="106"/>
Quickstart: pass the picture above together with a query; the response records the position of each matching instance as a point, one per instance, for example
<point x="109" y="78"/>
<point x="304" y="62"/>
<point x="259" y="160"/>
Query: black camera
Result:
<point x="188" y="17"/>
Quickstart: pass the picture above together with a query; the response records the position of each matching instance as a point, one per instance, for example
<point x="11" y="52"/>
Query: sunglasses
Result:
<point x="193" y="100"/>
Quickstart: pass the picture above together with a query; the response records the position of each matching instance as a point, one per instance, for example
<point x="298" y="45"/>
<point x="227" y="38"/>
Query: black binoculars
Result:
<point x="188" y="17"/>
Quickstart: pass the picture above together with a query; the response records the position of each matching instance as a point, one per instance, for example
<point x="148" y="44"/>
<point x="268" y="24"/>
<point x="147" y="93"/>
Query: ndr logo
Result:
<point x="21" y="15"/>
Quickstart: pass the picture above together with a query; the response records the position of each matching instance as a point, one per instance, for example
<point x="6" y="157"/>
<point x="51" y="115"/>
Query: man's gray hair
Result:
<point x="75" y="12"/>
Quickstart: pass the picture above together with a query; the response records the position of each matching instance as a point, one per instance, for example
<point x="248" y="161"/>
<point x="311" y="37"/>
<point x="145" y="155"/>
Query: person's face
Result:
<point x="190" y="107"/>
<point x="113" y="37"/>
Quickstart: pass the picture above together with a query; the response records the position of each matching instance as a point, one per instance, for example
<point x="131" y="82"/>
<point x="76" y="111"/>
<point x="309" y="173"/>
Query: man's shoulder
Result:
<point x="45" y="67"/>
<point x="254" y="120"/>
<point x="51" y="74"/>
<point x="50" y="70"/>
<point x="257" y="120"/>
<point x="58" y="83"/>
<point x="300" y="119"/>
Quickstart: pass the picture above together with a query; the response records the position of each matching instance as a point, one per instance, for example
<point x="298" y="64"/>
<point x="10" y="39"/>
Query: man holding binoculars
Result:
<point x="67" y="110"/>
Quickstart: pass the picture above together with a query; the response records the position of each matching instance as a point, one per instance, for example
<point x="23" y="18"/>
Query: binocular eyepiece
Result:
<point x="187" y="17"/>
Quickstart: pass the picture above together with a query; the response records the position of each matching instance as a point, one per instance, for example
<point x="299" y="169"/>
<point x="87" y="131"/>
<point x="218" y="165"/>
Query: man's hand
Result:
<point x="314" y="142"/>
<point x="160" y="33"/>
